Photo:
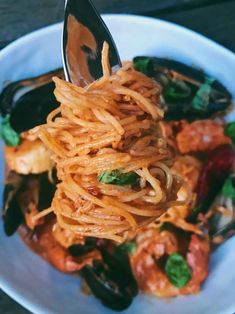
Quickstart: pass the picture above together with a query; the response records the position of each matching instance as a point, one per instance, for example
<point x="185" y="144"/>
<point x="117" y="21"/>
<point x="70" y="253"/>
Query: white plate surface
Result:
<point x="29" y="279"/>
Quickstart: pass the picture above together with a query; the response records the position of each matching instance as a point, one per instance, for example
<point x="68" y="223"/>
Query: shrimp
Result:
<point x="152" y="249"/>
<point x="29" y="157"/>
<point x="58" y="255"/>
<point x="200" y="136"/>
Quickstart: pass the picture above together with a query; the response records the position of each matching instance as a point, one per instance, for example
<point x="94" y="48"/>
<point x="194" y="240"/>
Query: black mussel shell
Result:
<point x="78" y="250"/>
<point x="226" y="232"/>
<point x="120" y="270"/>
<point x="181" y="84"/>
<point x="157" y="66"/>
<point x="221" y="225"/>
<point x="112" y="280"/>
<point x="91" y="243"/>
<point x="46" y="190"/>
<point x="19" y="192"/>
<point x="12" y="214"/>
<point x="111" y="294"/>
<point x="28" y="102"/>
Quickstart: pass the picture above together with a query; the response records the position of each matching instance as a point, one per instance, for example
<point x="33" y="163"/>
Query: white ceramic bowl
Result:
<point x="24" y="275"/>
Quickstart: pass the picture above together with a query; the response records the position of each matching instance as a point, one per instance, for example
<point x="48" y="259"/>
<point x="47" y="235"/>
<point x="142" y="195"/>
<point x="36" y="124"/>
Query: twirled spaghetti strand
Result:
<point x="112" y="124"/>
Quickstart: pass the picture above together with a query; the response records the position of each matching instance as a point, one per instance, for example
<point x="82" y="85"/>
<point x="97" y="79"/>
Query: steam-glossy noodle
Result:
<point x="111" y="124"/>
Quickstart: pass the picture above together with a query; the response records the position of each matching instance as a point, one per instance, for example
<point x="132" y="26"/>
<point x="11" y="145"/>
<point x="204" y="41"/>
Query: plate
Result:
<point x="25" y="276"/>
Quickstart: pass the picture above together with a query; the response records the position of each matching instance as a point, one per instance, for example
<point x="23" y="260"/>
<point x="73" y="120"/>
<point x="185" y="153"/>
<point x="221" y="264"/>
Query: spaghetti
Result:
<point x="111" y="126"/>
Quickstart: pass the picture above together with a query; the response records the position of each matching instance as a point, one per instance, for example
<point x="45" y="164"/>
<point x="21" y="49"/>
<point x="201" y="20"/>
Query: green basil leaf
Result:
<point x="108" y="177"/>
<point x="230" y="131"/>
<point x="116" y="177"/>
<point x="177" y="270"/>
<point x="127" y="247"/>
<point x="142" y="64"/>
<point x="228" y="189"/>
<point x="10" y="136"/>
<point x="202" y="97"/>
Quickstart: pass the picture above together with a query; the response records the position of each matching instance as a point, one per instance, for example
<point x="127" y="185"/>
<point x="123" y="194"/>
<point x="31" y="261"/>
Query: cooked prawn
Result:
<point x="29" y="157"/>
<point x="200" y="136"/>
<point x="152" y="248"/>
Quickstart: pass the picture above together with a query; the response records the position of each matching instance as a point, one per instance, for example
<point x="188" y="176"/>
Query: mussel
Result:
<point x="104" y="288"/>
<point x="111" y="280"/>
<point x="120" y="270"/>
<point x="28" y="102"/>
<point x="222" y="225"/>
<point x="19" y="192"/>
<point x="46" y="190"/>
<point x="188" y="93"/>
<point x="78" y="250"/>
<point x="12" y="214"/>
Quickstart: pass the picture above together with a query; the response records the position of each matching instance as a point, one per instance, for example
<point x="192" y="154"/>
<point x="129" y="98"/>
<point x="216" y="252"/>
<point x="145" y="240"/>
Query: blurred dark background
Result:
<point x="212" y="18"/>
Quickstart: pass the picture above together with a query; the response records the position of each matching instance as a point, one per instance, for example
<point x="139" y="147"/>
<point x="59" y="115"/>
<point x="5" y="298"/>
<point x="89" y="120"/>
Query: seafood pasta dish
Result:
<point x="125" y="181"/>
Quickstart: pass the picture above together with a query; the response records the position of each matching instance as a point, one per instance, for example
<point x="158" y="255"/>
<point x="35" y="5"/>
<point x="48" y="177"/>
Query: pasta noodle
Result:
<point x="113" y="124"/>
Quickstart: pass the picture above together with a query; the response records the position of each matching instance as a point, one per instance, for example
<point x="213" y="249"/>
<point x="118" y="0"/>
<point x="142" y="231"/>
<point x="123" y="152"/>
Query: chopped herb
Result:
<point x="230" y="131"/>
<point x="10" y="136"/>
<point x="201" y="99"/>
<point x="177" y="270"/>
<point x="142" y="64"/>
<point x="127" y="247"/>
<point x="228" y="190"/>
<point x="176" y="90"/>
<point x="116" y="177"/>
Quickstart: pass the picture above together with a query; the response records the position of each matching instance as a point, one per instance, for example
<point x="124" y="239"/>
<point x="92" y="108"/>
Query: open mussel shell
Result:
<point x="12" y="214"/>
<point x="222" y="224"/>
<point x="181" y="85"/>
<point x="120" y="270"/>
<point x="46" y="190"/>
<point x="28" y="102"/>
<point x="105" y="288"/>
<point x="111" y="280"/>
<point x="79" y="250"/>
<point x="19" y="192"/>
<point x="219" y="222"/>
